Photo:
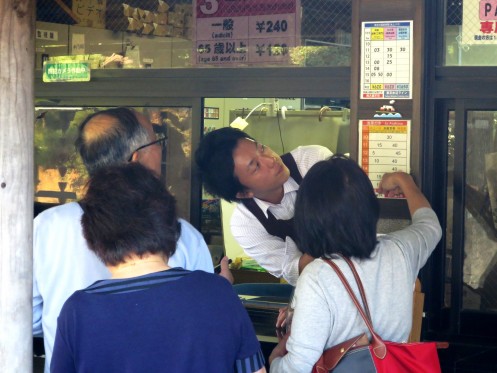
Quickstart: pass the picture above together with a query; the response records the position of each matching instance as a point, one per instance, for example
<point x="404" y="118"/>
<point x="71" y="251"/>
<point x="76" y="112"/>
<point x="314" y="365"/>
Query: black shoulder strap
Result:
<point x="289" y="161"/>
<point x="275" y="227"/>
<point x="252" y="206"/>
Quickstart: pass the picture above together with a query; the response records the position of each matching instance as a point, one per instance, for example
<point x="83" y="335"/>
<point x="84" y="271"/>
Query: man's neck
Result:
<point x="275" y="197"/>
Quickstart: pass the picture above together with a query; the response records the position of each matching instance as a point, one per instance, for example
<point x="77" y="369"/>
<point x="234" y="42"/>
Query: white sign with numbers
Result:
<point x="247" y="32"/>
<point x="386" y="60"/>
<point x="384" y="146"/>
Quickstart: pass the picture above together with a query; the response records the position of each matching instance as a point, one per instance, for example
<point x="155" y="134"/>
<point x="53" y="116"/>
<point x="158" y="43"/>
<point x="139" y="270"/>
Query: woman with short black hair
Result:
<point x="336" y="214"/>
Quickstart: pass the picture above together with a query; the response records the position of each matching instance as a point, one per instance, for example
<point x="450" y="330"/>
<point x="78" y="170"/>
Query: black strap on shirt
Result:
<point x="289" y="161"/>
<point x="276" y="227"/>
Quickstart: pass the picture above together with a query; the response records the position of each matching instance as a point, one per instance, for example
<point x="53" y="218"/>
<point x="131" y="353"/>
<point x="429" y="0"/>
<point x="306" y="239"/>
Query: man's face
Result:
<point x="260" y="170"/>
<point x="151" y="156"/>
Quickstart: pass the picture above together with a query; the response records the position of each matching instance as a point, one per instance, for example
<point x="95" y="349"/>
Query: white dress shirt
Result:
<point x="278" y="257"/>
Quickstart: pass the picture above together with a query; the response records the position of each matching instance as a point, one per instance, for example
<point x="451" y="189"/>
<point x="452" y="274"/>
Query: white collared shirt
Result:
<point x="278" y="257"/>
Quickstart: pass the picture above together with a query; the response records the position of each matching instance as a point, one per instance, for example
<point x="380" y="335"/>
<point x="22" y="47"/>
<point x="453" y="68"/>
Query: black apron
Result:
<point x="276" y="227"/>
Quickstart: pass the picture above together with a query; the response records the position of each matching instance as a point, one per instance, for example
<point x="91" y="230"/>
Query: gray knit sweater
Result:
<point x="324" y="313"/>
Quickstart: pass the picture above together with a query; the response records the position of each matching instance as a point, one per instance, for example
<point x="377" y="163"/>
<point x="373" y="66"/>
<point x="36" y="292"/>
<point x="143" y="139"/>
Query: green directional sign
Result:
<point x="66" y="72"/>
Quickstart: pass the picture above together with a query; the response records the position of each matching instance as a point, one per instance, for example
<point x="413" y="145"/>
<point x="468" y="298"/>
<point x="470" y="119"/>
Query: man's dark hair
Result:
<point x="214" y="158"/>
<point x="109" y="137"/>
<point x="336" y="210"/>
<point x="127" y="211"/>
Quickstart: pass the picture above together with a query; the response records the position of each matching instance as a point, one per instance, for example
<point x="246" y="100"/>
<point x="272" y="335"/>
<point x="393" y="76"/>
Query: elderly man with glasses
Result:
<point x="160" y="141"/>
<point x="62" y="262"/>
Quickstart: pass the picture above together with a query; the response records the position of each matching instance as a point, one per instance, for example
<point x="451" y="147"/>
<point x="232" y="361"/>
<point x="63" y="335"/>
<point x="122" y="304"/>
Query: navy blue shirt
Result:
<point x="170" y="321"/>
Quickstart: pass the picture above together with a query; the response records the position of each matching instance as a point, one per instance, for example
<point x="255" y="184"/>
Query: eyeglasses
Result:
<point x="162" y="142"/>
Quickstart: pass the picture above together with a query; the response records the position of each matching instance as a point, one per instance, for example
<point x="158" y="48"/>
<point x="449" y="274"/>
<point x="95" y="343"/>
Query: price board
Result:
<point x="386" y="60"/>
<point x="234" y="32"/>
<point x="384" y="146"/>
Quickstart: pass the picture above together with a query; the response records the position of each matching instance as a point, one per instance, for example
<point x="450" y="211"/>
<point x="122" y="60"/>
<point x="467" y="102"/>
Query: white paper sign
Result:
<point x="78" y="44"/>
<point x="233" y="32"/>
<point x="384" y="146"/>
<point x="386" y="60"/>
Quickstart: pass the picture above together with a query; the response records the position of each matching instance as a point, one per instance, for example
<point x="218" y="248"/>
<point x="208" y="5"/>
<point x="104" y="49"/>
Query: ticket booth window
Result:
<point x="143" y="34"/>
<point x="60" y="175"/>
<point x="282" y="124"/>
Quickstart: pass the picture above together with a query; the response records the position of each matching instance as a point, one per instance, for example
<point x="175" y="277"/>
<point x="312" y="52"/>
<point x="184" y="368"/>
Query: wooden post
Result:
<point x="16" y="183"/>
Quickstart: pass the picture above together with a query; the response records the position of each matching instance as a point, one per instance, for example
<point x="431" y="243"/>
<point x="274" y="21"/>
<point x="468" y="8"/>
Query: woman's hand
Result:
<point x="390" y="185"/>
<point x="400" y="184"/>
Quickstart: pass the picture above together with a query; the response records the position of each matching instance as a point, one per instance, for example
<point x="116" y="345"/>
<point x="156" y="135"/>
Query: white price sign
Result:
<point x="245" y="31"/>
<point x="384" y="146"/>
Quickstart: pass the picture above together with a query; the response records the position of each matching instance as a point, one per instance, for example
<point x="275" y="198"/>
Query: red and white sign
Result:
<point x="234" y="32"/>
<point x="479" y="22"/>
<point x="384" y="146"/>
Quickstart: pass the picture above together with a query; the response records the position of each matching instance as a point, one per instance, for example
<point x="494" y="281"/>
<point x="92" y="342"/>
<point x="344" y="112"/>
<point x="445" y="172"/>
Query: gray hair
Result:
<point x="109" y="137"/>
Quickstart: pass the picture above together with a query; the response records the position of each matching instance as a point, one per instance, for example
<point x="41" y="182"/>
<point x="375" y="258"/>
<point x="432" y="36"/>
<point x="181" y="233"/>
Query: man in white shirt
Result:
<point x="62" y="262"/>
<point x="236" y="167"/>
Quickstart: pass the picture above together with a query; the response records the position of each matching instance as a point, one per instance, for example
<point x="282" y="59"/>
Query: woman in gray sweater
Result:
<point x="336" y="213"/>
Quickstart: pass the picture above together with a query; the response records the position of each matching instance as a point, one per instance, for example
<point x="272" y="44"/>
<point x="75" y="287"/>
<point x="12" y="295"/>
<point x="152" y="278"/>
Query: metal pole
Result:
<point x="16" y="183"/>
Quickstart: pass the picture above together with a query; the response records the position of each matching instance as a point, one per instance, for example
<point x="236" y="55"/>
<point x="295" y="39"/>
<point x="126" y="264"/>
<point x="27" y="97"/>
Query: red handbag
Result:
<point x="360" y="355"/>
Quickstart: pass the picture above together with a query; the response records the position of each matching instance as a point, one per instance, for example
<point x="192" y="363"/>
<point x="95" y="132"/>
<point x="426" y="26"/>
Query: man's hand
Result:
<point x="281" y="320"/>
<point x="225" y="270"/>
<point x="280" y="349"/>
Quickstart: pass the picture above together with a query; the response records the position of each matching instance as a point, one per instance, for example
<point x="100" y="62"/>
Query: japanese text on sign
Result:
<point x="386" y="60"/>
<point x="479" y="22"/>
<point x="91" y="13"/>
<point x="384" y="146"/>
<point x="245" y="31"/>
<point x="66" y="72"/>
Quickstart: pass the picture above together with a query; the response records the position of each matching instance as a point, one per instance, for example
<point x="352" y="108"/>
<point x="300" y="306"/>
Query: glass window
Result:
<point x="282" y="124"/>
<point x="480" y="212"/>
<point x="470" y="33"/>
<point x="60" y="175"/>
<point x="450" y="209"/>
<point x="480" y="219"/>
<point x="195" y="33"/>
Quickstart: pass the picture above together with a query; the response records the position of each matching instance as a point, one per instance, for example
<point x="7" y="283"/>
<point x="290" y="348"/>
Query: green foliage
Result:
<point x="317" y="56"/>
<point x="54" y="135"/>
